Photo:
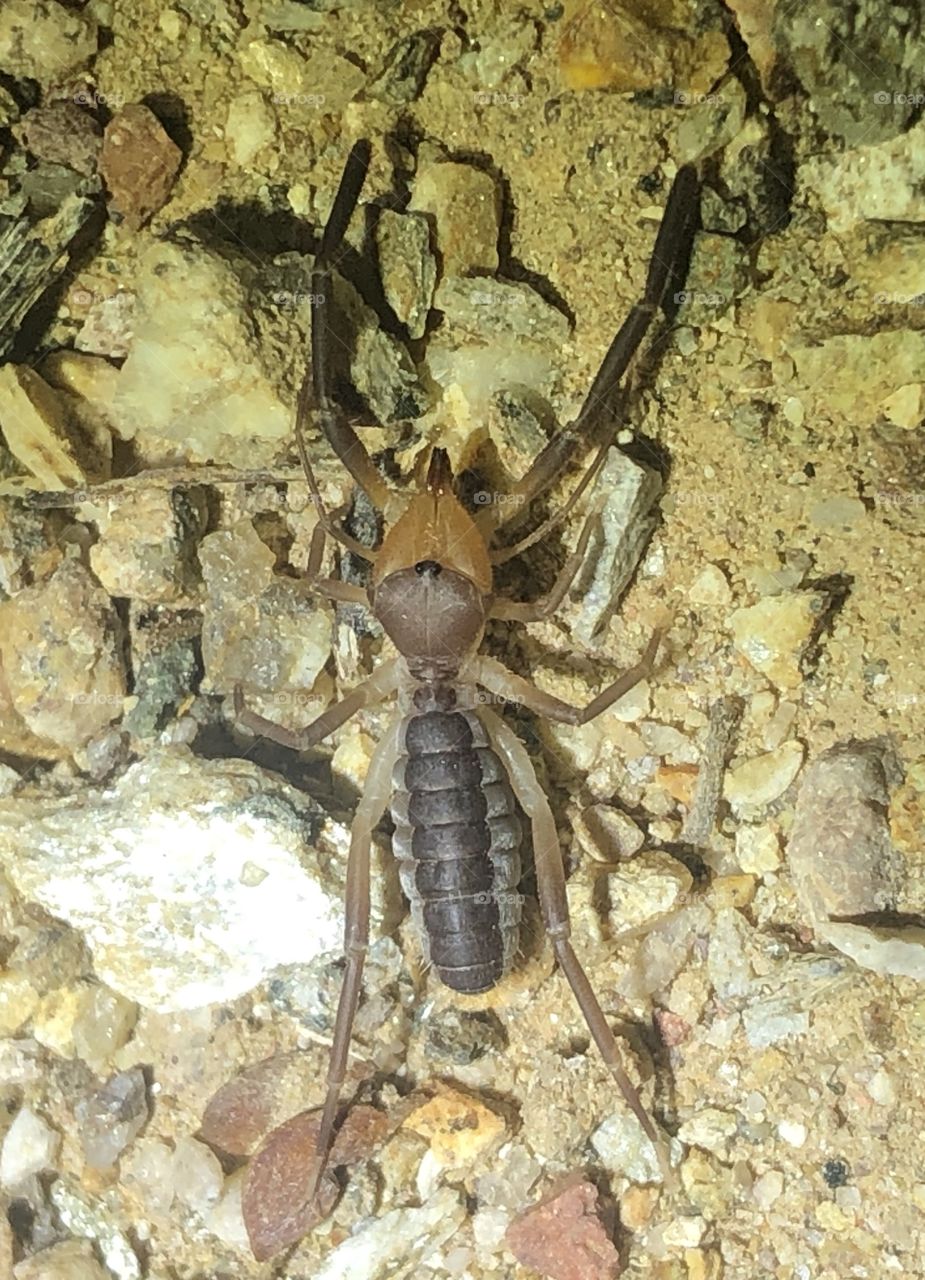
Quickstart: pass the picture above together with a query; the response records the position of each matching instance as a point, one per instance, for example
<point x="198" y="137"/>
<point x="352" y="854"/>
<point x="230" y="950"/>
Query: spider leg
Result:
<point x="671" y="245"/>
<point x="550" y="883"/>
<point x="376" y="792"/>
<point x="316" y="399"/>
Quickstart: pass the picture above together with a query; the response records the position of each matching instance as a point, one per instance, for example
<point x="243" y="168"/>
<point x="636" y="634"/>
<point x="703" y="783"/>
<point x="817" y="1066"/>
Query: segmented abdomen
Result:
<point x="457" y="839"/>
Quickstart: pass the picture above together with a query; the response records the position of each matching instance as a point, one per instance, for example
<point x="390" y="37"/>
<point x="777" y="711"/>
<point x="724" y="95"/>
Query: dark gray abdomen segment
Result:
<point x="457" y="840"/>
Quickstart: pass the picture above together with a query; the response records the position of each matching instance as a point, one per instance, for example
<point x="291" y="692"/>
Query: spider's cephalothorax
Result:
<point x="449" y="767"/>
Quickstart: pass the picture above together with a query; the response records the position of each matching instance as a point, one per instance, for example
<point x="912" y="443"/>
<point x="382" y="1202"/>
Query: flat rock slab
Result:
<point x="190" y="879"/>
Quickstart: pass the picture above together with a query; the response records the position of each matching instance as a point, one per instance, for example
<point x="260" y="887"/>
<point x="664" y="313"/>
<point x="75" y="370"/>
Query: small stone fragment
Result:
<point x="41" y="432"/>
<point x="628" y="517"/>
<point x="624" y="1148"/>
<point x="757" y="850"/>
<point x="648" y="886"/>
<point x="196" y="1175"/>
<point x="398" y="1242"/>
<point x="61" y="133"/>
<point x="70" y="1260"/>
<point x="710" y="1128"/>
<point x="29" y="1147"/>
<point x="897" y="951"/>
<point x="275" y="1209"/>
<point x="249" y="126"/>
<point x="409" y="270"/>
<point x="147" y="545"/>
<point x="260" y="630"/>
<point x="710" y="587"/>
<point x="840" y="851"/>
<point x="83" y="1216"/>
<point x="45" y="41"/>
<point x="139" y="164"/>
<point x="459" y="1127"/>
<point x="607" y="833"/>
<point x="112" y="1117"/>
<point x="464" y="203"/>
<point x="218" y="404"/>
<point x="108" y="328"/>
<point x="563" y="1237"/>
<point x="463" y="1036"/>
<point x="906" y="406"/>
<point x="171" y="837"/>
<point x="754" y="784"/>
<point x="61" y="655"/>
<point x="257" y="1100"/>
<point x="614" y="47"/>
<point x="775" y="633"/>
<point x="404" y="72"/>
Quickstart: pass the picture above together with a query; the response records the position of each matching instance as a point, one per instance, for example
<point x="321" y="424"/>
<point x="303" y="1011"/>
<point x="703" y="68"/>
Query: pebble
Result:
<point x="906" y="406"/>
<point x="607" y="833"/>
<point x="896" y="951"/>
<point x="466" y="210"/>
<point x="45" y="41"/>
<point x="250" y="125"/>
<point x="30" y="1146"/>
<point x="70" y="1260"/>
<point x="463" y="1036"/>
<point x="147" y="545"/>
<point x="85" y="1217"/>
<point x="768" y="1188"/>
<point x="139" y="164"/>
<point x="61" y="652"/>
<point x="42" y="434"/>
<point x="793" y="1132"/>
<point x="168" y="843"/>
<point x="827" y="371"/>
<point x="710" y="587"/>
<point x="259" y="629"/>
<point x="684" y="1233"/>
<point x="459" y="1127"/>
<point x="758" y="850"/>
<point x="840" y="852"/>
<point x="628" y="516"/>
<point x="396" y="1242"/>
<point x="18" y="1002"/>
<point x="624" y="1148"/>
<point x="775" y="633"/>
<point x="751" y="786"/>
<point x="196" y="1176"/>
<point x="404" y="72"/>
<point x="61" y="133"/>
<point x="112" y="1117"/>
<point x="563" y="1236"/>
<point x="190" y="317"/>
<point x="615" y="47"/>
<point x="710" y="1128"/>
<point x="408" y="267"/>
<point x="650" y="885"/>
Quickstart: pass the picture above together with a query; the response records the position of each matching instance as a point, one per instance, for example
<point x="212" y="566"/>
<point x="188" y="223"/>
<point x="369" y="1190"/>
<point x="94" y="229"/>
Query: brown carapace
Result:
<point x="456" y="777"/>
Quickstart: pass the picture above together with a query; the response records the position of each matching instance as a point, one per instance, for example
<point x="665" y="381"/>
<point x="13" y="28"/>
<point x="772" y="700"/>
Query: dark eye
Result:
<point x="428" y="568"/>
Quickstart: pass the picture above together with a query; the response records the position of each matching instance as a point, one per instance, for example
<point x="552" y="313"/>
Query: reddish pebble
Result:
<point x="563" y="1237"/>
<point x="139" y="164"/>
<point x="673" y="1029"/>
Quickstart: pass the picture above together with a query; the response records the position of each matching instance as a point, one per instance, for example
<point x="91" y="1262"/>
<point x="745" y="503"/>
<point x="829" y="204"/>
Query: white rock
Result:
<point x="881" y="182"/>
<point x="710" y="587"/>
<point x="249" y="126"/>
<point x="29" y="1147"/>
<point x="792" y="1132"/>
<point x="70" y="1260"/>
<point x="768" y="1188"/>
<point x="773" y="634"/>
<point x="709" y="1128"/>
<point x="393" y="1243"/>
<point x="152" y="872"/>
<point x="624" y="1148"/>
<point x="757" y="850"/>
<point x="193" y="378"/>
<point x="197" y="1175"/>
<point x="899" y="952"/>
<point x="754" y="784"/>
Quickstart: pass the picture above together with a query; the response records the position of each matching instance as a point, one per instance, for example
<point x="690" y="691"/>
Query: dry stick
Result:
<point x="725" y="714"/>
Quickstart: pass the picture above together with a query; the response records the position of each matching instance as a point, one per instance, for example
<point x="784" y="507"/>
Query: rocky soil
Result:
<point x="742" y="831"/>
